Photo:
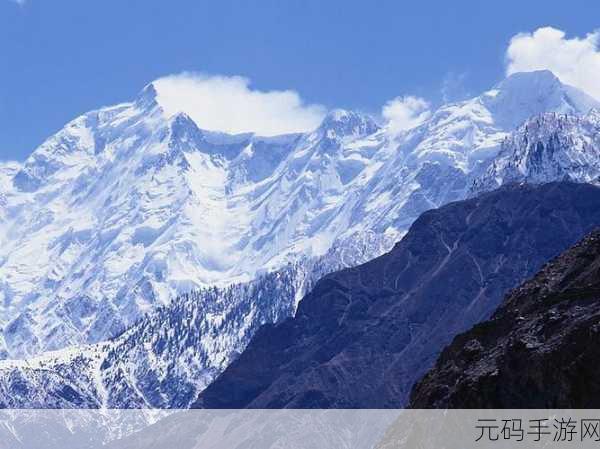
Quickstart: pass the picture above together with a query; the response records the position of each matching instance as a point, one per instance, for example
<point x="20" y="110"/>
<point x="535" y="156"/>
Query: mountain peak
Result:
<point x="530" y="88"/>
<point x="183" y="127"/>
<point x="147" y="97"/>
<point x="181" y="119"/>
<point x="527" y="79"/>
<point x="342" y="122"/>
<point x="526" y="94"/>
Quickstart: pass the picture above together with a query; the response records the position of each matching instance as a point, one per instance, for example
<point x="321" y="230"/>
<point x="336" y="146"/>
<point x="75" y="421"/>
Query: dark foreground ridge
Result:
<point x="365" y="335"/>
<point x="541" y="349"/>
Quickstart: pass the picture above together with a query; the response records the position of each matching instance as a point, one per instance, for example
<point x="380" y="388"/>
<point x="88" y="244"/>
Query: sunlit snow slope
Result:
<point x="126" y="208"/>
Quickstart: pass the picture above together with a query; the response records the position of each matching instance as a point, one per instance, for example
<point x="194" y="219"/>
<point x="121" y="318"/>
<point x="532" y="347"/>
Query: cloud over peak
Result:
<point x="406" y="112"/>
<point x="575" y="61"/>
<point x="229" y="104"/>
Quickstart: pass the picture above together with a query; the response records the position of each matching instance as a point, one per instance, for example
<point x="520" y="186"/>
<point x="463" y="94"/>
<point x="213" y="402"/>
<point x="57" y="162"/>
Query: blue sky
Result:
<point x="60" y="58"/>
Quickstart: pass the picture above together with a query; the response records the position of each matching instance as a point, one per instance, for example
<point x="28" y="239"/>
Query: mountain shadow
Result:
<point x="365" y="335"/>
<point x="541" y="349"/>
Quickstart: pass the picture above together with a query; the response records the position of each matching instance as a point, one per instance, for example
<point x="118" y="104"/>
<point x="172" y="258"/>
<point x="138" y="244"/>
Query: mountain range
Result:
<point x="126" y="208"/>
<point x="140" y="253"/>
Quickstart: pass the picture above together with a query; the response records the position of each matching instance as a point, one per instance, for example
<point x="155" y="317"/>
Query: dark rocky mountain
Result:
<point x="541" y="349"/>
<point x="365" y="335"/>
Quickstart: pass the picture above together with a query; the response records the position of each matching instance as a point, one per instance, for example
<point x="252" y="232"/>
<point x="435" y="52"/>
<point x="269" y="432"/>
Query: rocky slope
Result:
<point x="539" y="350"/>
<point x="364" y="335"/>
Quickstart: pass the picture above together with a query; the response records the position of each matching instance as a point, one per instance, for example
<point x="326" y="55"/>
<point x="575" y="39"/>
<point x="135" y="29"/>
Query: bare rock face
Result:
<point x="541" y="349"/>
<point x="365" y="335"/>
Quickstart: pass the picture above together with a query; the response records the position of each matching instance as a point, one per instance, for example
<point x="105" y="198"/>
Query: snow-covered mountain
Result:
<point x="548" y="147"/>
<point x="126" y="208"/>
<point x="167" y="357"/>
<point x="162" y="360"/>
<point x="7" y="172"/>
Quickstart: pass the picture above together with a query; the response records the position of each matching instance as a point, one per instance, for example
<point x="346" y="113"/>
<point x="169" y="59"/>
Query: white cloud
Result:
<point x="574" y="61"/>
<point x="19" y="2"/>
<point x="229" y="104"/>
<point x="403" y="113"/>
